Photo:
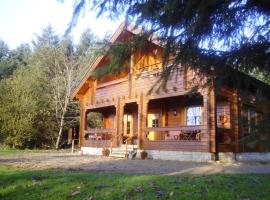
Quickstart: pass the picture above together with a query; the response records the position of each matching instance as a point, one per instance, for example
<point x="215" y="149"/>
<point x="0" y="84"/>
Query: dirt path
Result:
<point x="69" y="161"/>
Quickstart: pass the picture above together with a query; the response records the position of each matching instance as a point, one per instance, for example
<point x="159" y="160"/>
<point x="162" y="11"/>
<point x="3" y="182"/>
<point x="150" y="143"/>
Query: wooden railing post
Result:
<point x="111" y="144"/>
<point x="72" y="146"/>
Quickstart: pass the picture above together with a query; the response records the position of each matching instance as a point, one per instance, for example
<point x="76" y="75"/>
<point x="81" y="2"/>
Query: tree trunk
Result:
<point x="59" y="133"/>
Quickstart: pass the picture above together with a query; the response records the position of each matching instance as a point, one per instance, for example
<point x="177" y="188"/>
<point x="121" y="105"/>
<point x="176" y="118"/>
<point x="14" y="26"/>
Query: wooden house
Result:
<point x="168" y="123"/>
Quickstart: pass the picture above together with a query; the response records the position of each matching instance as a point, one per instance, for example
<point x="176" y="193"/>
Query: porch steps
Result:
<point x="120" y="152"/>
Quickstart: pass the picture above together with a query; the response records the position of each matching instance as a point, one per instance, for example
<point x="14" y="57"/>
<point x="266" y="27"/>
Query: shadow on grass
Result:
<point x="54" y="184"/>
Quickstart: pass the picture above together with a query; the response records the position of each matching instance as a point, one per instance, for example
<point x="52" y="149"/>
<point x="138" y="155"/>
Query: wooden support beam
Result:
<point x="119" y="120"/>
<point x="206" y="116"/>
<point x="93" y="92"/>
<point x="142" y="116"/>
<point x="235" y="120"/>
<point x="131" y="76"/>
<point x="82" y="120"/>
<point x="212" y="120"/>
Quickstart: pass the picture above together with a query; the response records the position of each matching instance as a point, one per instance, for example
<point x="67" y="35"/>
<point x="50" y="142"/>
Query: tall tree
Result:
<point x="4" y="50"/>
<point x="23" y="108"/>
<point x="57" y="58"/>
<point x="11" y="59"/>
<point x="208" y="35"/>
<point x="37" y="82"/>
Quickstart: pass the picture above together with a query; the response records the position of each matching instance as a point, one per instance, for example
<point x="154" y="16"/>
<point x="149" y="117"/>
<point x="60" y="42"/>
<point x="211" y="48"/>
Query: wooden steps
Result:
<point x="120" y="152"/>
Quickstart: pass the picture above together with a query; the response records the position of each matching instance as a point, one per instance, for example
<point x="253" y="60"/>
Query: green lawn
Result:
<point x="35" y="184"/>
<point x="8" y="151"/>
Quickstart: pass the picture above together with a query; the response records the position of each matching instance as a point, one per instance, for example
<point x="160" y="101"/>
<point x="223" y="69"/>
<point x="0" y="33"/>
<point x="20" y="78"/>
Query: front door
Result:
<point x="128" y="126"/>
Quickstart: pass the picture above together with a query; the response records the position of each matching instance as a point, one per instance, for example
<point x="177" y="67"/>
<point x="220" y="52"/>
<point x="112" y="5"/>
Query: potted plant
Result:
<point x="105" y="152"/>
<point x="134" y="140"/>
<point x="143" y="154"/>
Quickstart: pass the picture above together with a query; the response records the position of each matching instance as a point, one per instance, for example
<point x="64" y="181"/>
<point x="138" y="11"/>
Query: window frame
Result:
<point x="250" y="116"/>
<point x="197" y="118"/>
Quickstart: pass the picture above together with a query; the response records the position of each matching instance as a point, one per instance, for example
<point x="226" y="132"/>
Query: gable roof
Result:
<point x="122" y="27"/>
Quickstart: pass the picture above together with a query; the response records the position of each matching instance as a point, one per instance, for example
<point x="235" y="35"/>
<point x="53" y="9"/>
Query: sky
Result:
<point x="20" y="20"/>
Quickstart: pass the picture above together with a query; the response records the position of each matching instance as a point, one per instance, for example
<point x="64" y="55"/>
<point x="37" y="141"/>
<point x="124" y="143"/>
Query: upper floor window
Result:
<point x="194" y="116"/>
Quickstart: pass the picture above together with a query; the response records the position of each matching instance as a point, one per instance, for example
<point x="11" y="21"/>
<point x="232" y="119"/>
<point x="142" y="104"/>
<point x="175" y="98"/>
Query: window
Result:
<point x="194" y="116"/>
<point x="128" y="124"/>
<point x="155" y="123"/>
<point x="249" y="119"/>
<point x="153" y="120"/>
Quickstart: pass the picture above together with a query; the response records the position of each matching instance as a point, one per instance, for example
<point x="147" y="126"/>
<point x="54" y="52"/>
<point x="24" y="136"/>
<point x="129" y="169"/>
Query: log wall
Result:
<point x="141" y="85"/>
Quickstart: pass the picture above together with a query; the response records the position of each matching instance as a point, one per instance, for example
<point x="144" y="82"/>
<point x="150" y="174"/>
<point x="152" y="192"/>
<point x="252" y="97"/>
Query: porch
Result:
<point x="100" y="129"/>
<point x="177" y="124"/>
<point x="183" y="123"/>
<point x="173" y="123"/>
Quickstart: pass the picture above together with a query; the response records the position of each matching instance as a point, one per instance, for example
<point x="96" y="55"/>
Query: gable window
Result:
<point x="194" y="116"/>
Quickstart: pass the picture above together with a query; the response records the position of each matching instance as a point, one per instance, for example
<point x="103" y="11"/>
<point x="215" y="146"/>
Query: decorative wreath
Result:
<point x="223" y="119"/>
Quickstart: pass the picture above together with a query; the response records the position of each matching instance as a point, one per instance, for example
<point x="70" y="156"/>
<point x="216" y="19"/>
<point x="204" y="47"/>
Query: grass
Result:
<point x="48" y="184"/>
<point x="8" y="151"/>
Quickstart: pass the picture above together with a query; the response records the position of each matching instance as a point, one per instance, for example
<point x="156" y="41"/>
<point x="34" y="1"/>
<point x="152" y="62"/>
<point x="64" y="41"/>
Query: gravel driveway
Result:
<point x="74" y="162"/>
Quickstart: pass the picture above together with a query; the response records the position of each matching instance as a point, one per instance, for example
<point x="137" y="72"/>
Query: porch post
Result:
<point x="142" y="116"/>
<point x="119" y="118"/>
<point x="209" y="120"/>
<point x="82" y="121"/>
<point x="206" y="117"/>
<point x="234" y="120"/>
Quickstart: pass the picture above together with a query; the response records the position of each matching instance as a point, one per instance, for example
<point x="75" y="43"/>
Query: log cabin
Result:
<point x="175" y="123"/>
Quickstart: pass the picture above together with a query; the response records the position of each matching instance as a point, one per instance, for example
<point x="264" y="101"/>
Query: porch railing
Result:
<point x="180" y="133"/>
<point x="99" y="134"/>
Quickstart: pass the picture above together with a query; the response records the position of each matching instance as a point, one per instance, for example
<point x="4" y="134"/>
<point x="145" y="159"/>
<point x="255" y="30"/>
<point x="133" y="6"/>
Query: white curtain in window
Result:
<point x="194" y="116"/>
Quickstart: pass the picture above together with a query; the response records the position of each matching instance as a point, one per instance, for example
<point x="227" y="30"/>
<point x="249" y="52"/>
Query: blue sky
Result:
<point x="21" y="19"/>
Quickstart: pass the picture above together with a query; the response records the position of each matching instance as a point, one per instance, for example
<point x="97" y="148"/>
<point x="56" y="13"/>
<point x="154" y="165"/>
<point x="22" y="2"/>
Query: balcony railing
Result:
<point x="181" y="133"/>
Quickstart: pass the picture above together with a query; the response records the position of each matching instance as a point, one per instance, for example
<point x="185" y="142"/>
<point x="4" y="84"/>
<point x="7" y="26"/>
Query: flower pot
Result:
<point x="143" y="155"/>
<point x="135" y="141"/>
<point x="105" y="152"/>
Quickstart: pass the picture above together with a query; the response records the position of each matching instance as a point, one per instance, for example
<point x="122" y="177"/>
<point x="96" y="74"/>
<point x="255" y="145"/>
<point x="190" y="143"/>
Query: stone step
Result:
<point x="120" y="152"/>
<point x="129" y="146"/>
<point x="117" y="155"/>
<point x="122" y="149"/>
